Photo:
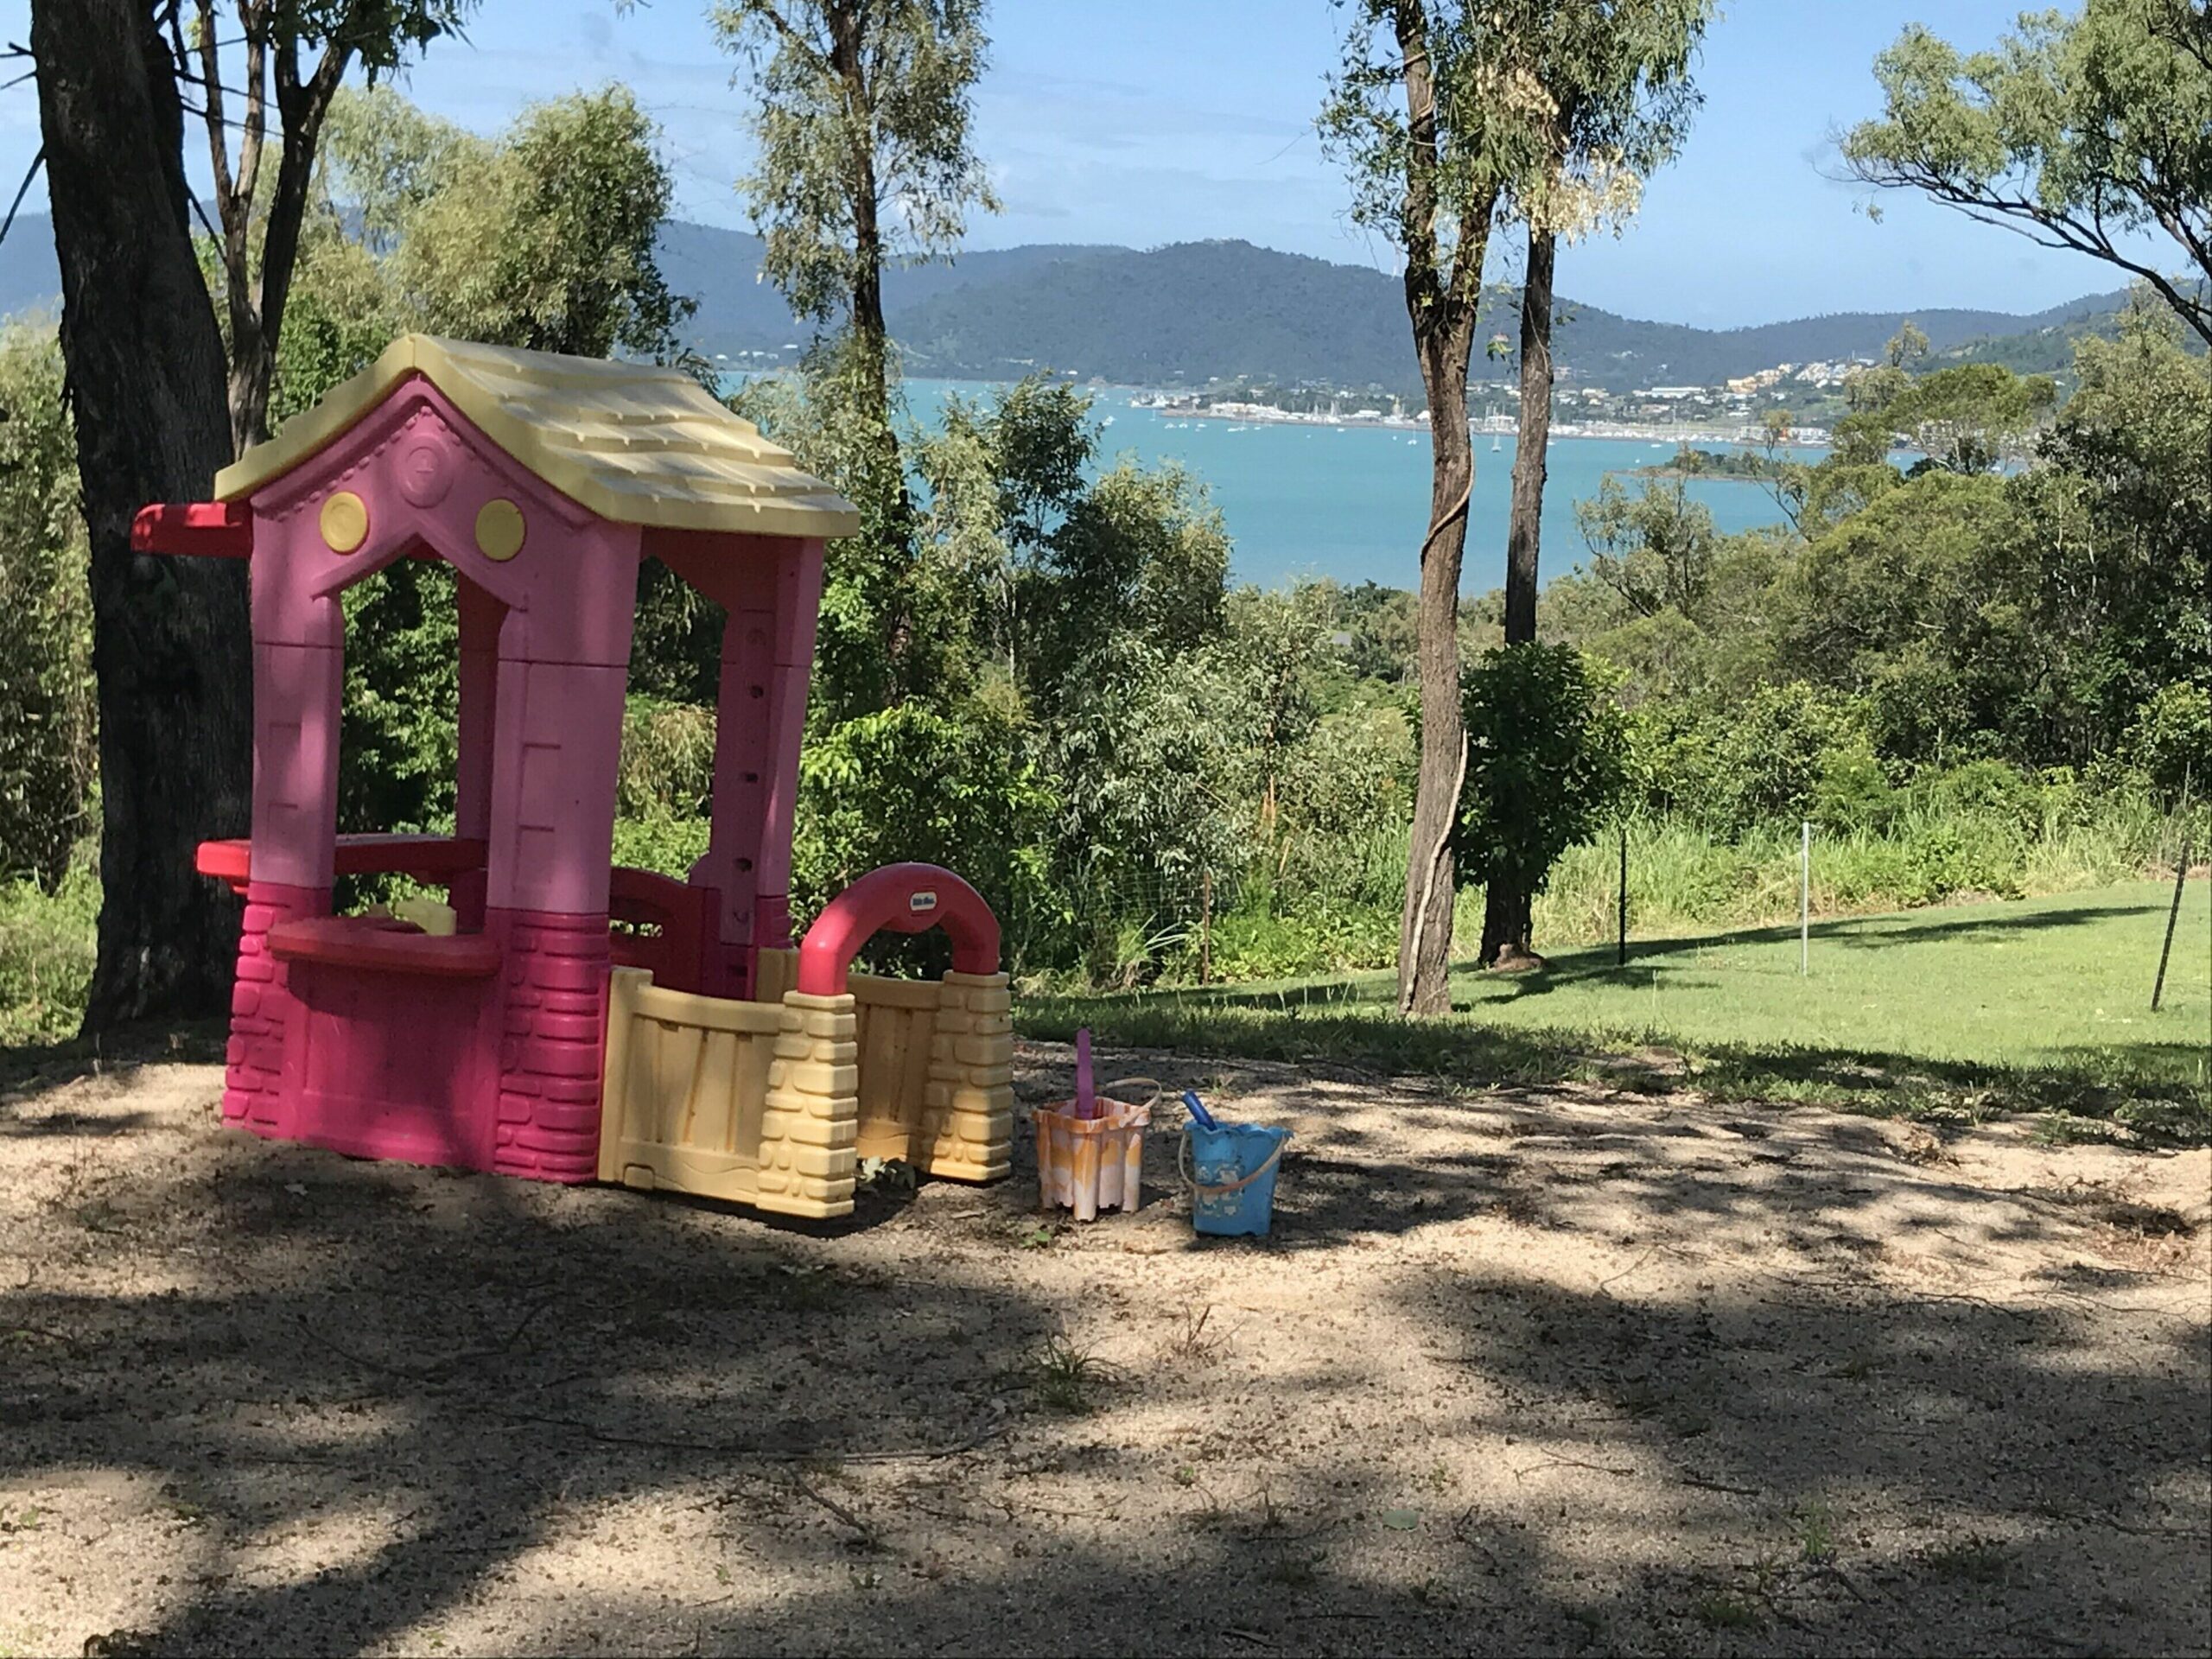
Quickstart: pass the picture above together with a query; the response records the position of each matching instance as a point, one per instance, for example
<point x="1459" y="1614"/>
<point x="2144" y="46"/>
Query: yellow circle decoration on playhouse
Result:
<point x="499" y="529"/>
<point x="345" y="522"/>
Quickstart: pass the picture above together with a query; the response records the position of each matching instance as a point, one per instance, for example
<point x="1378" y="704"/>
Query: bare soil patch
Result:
<point x="1558" y="1370"/>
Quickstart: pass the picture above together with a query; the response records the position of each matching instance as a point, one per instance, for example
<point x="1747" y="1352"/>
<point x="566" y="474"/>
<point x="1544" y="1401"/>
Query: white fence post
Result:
<point x="1804" y="898"/>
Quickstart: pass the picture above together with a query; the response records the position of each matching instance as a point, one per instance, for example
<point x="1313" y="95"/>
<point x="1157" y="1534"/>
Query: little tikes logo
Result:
<point x="921" y="904"/>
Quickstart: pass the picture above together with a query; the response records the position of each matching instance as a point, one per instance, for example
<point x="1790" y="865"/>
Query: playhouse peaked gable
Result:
<point x="634" y="443"/>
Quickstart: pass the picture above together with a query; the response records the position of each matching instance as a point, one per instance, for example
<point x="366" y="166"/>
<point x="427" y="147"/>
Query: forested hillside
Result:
<point x="1193" y="312"/>
<point x="1197" y="311"/>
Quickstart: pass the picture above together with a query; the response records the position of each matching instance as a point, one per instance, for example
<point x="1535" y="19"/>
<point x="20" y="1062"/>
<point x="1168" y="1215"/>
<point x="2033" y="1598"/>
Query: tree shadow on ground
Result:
<point x="2157" y="1087"/>
<point x="32" y="1067"/>
<point x="350" y="1406"/>
<point x="1600" y="964"/>
<point x="1597" y="964"/>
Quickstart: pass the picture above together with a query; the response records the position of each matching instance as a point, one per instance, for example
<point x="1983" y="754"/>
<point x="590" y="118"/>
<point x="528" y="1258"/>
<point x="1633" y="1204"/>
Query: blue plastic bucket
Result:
<point x="1231" y="1172"/>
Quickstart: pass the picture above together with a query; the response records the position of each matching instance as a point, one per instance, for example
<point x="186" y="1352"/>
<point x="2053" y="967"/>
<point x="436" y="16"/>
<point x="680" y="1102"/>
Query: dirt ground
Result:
<point x="1559" y="1371"/>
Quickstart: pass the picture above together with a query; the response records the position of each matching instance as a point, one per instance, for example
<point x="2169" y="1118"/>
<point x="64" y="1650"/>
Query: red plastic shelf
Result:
<point x="427" y="858"/>
<point x="377" y="945"/>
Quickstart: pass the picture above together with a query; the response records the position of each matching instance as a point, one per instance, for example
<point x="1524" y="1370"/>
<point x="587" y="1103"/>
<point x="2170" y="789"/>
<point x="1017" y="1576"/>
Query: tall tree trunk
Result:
<point x="1507" y="905"/>
<point x="879" y="484"/>
<point x="1425" y="926"/>
<point x="302" y="107"/>
<point x="871" y="338"/>
<point x="1524" y="531"/>
<point x="146" y="383"/>
<point x="1442" y="308"/>
<point x="254" y="301"/>
<point x="871" y="335"/>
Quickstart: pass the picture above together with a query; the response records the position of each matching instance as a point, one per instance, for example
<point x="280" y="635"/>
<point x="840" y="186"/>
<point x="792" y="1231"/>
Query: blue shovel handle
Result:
<point x="1199" y="1115"/>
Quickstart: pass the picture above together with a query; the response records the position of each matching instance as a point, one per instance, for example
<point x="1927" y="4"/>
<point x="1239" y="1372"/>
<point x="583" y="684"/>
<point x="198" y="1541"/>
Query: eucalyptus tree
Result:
<point x="2088" y="132"/>
<point x="865" y="159"/>
<point x="862" y="118"/>
<point x="307" y="48"/>
<point x="1418" y="112"/>
<point x="144" y="382"/>
<point x="544" y="237"/>
<point x="1607" y="95"/>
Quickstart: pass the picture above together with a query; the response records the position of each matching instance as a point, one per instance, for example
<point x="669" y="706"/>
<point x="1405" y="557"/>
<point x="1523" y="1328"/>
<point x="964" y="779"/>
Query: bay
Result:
<point x="1351" y="502"/>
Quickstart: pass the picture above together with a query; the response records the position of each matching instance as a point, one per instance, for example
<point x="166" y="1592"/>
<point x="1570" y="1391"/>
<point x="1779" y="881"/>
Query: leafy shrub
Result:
<point x="1259" y="942"/>
<point x="46" y="709"/>
<point x="1545" y="761"/>
<point x="914" y="783"/>
<point x="1853" y="792"/>
<point x="667" y="845"/>
<point x="668" y="759"/>
<point x="2171" y="741"/>
<point x="1990" y="790"/>
<point x="399" y="732"/>
<point x="46" y="955"/>
<point x="1344" y="800"/>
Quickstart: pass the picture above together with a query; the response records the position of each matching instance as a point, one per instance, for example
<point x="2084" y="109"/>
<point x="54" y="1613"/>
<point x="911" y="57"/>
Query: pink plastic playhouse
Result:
<point x="558" y="1017"/>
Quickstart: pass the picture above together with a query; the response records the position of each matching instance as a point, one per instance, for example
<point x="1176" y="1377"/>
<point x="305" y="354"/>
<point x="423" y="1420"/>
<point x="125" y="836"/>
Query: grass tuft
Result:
<point x="1065" y="1378"/>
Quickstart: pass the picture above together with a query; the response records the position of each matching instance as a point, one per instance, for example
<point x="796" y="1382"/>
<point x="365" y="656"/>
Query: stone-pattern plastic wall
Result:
<point x="261" y="1001"/>
<point x="967" y="1119"/>
<point x="812" y="1121"/>
<point x="556" y="971"/>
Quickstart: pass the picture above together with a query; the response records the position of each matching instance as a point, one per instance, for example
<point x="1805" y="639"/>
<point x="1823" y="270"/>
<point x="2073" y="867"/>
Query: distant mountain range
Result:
<point x="1196" y="312"/>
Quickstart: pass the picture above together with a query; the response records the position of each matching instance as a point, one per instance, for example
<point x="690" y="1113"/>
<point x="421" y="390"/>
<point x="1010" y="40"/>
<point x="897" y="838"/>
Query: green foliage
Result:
<point x="1969" y="419"/>
<point x="668" y="758"/>
<point x="910" y="783"/>
<point x="860" y="130"/>
<point x="399" y="721"/>
<point x="667" y="846"/>
<point x="543" y="237"/>
<point x="2078" y="130"/>
<point x="47" y="715"/>
<point x="580" y="192"/>
<point x="1545" y="761"/>
<point x="1655" y="550"/>
<point x="1073" y="656"/>
<point x="2170" y="742"/>
<point x="1615" y="102"/>
<point x="1759" y="761"/>
<point x="379" y="35"/>
<point x="663" y="793"/>
<point x="46" y="955"/>
<point x="1476" y="145"/>
<point x="2120" y="517"/>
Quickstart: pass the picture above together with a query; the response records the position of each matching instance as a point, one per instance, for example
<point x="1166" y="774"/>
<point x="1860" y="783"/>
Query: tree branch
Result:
<point x="1417" y="214"/>
<point x="23" y="190"/>
<point x="806" y="49"/>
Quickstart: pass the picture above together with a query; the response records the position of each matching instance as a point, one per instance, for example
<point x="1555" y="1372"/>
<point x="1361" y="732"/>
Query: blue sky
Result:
<point x="1149" y="121"/>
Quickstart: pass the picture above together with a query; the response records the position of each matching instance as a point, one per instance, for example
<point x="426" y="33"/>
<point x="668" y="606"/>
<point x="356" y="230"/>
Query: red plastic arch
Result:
<point x="903" y="899"/>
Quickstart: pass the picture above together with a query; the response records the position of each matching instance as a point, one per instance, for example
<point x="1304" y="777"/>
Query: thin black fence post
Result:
<point x="1620" y="949"/>
<point x="2173" y="914"/>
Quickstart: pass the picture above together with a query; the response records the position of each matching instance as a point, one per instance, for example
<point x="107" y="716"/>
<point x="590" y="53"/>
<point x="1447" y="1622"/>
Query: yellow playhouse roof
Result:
<point x="635" y="443"/>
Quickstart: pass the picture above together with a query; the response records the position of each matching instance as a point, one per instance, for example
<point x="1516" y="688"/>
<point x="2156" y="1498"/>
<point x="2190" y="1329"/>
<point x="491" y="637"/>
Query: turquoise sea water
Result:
<point x="1352" y="502"/>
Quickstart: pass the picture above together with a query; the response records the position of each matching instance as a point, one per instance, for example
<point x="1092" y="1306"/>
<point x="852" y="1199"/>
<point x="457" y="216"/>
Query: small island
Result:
<point x="1690" y="462"/>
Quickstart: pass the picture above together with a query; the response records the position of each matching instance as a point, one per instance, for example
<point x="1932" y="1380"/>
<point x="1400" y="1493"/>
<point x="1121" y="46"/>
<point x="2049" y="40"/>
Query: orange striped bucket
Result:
<point x="1090" y="1164"/>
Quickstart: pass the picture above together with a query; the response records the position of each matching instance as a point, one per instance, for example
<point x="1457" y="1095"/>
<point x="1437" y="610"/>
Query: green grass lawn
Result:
<point x="2034" y="1004"/>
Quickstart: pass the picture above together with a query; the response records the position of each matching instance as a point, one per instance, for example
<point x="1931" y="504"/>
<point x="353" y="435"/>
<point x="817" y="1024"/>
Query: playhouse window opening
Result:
<point x="400" y="763"/>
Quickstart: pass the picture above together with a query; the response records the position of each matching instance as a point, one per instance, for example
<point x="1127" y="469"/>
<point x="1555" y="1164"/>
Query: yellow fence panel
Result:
<point x="773" y="1103"/>
<point x="686" y="1089"/>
